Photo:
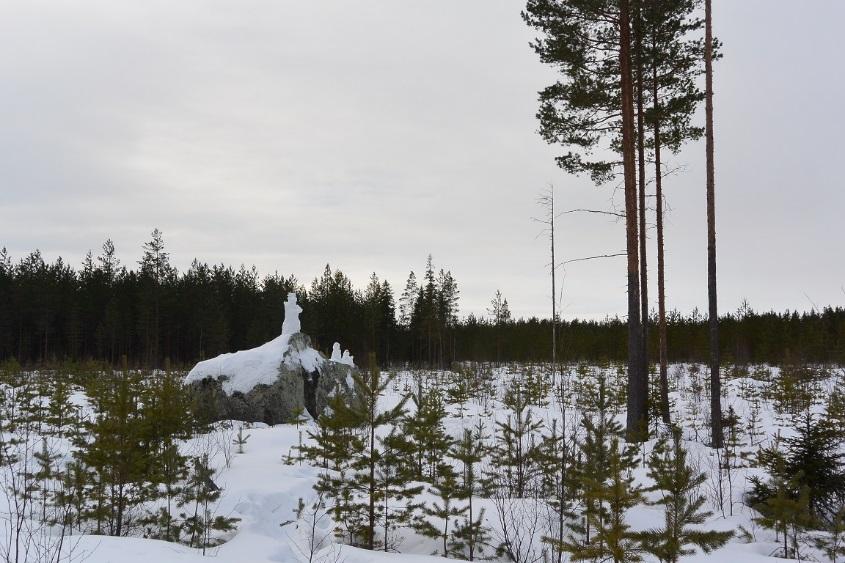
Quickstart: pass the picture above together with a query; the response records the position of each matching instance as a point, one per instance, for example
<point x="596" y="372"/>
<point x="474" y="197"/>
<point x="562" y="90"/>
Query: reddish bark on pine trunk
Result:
<point x="637" y="422"/>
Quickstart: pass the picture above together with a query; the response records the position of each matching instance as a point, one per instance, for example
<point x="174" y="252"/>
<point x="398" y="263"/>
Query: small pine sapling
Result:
<point x="678" y="484"/>
<point x="754" y="423"/>
<point x="613" y="539"/>
<point x="241" y="439"/>
<point x="336" y="445"/>
<point x="436" y="517"/>
<point x="364" y="407"/>
<point x="607" y="490"/>
<point x="202" y="494"/>
<point x="396" y="490"/>
<point x="48" y="471"/>
<point x="836" y="411"/>
<point x="459" y="390"/>
<point x="787" y="515"/>
<point x="782" y="502"/>
<point x="832" y="543"/>
<point x="299" y="416"/>
<point x="556" y="467"/>
<point x="732" y="451"/>
<point x="426" y="432"/>
<point x="470" y="535"/>
<point x="515" y="449"/>
<point x="60" y="409"/>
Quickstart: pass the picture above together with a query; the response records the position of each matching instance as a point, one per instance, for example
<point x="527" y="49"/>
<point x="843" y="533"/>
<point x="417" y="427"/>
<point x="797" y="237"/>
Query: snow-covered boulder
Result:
<point x="273" y="382"/>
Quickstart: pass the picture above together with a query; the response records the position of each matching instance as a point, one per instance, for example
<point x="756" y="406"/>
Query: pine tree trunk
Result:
<point x="554" y="294"/>
<point x="715" y="379"/>
<point x="642" y="187"/>
<point x="661" y="283"/>
<point x="371" y="532"/>
<point x="637" y="420"/>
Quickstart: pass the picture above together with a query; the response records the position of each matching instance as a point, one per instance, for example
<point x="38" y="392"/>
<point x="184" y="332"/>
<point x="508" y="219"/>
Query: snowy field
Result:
<point x="264" y="485"/>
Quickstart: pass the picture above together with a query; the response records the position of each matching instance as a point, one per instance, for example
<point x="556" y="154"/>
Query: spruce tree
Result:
<point x="447" y="295"/>
<point x="241" y="439"/>
<point x="809" y="461"/>
<point x="155" y="274"/>
<point x="407" y="302"/>
<point x="836" y="411"/>
<point x="500" y="315"/>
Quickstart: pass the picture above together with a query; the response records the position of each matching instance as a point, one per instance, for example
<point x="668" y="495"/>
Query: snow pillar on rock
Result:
<point x="292" y="310"/>
<point x="335" y="352"/>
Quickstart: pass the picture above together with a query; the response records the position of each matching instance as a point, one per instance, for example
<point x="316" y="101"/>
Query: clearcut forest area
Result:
<point x="561" y="359"/>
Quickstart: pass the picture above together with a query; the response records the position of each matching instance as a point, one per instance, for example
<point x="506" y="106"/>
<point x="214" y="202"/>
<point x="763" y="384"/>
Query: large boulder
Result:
<point x="273" y="383"/>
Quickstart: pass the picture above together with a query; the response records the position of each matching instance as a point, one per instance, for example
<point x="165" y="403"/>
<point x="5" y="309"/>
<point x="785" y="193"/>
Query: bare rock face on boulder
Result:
<point x="317" y="384"/>
<point x="272" y="383"/>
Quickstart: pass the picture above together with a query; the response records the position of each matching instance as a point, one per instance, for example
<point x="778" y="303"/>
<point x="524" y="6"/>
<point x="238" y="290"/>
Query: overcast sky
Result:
<point x="368" y="134"/>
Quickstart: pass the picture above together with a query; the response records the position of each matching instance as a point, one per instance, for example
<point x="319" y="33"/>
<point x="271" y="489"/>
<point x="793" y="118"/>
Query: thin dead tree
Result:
<point x="715" y="377"/>
<point x="547" y="201"/>
<point x="662" y="344"/>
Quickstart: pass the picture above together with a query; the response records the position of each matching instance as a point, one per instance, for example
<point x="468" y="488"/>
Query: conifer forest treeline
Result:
<point x="155" y="316"/>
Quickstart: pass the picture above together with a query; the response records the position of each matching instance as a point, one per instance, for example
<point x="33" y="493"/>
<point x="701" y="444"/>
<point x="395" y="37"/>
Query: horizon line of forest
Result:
<point x="155" y="316"/>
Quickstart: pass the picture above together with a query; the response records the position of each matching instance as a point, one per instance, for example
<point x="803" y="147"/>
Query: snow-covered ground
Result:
<point x="264" y="485"/>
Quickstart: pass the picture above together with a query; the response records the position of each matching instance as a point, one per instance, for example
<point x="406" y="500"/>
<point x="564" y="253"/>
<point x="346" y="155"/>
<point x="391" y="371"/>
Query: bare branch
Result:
<point x="592" y="258"/>
<point x="598" y="211"/>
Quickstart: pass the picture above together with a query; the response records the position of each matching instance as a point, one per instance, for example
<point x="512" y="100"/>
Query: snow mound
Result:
<point x="245" y="369"/>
